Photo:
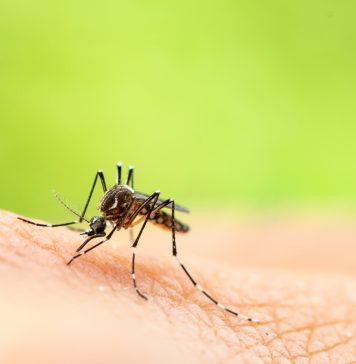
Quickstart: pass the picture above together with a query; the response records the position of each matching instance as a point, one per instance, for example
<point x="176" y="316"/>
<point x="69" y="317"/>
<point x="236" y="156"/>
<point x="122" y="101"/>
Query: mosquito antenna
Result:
<point x="67" y="207"/>
<point x="118" y="179"/>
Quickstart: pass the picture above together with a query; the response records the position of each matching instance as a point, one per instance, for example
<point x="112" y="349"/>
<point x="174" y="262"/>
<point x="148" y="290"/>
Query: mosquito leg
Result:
<point x="47" y="225"/>
<point x="151" y="202"/>
<point x="103" y="184"/>
<point x="93" y="247"/>
<point x="138" y="221"/>
<point x="86" y="241"/>
<point x="130" y="177"/>
<point x="198" y="286"/>
<point x="131" y="233"/>
<point x="118" y="177"/>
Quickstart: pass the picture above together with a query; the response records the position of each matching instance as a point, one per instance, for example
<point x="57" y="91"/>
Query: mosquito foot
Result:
<point x="141" y="295"/>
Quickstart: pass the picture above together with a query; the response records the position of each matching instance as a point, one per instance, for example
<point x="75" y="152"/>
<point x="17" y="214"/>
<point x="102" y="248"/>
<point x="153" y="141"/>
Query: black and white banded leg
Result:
<point x="132" y="240"/>
<point x="48" y="225"/>
<point x="118" y="176"/>
<point x="151" y="202"/>
<point x="198" y="286"/>
<point x="87" y="240"/>
<point x="100" y="175"/>
<point x="108" y="237"/>
<point x="130" y="177"/>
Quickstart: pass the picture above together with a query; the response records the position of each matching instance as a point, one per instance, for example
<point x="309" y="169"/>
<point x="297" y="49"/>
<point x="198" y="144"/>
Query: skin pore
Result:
<point x="297" y="278"/>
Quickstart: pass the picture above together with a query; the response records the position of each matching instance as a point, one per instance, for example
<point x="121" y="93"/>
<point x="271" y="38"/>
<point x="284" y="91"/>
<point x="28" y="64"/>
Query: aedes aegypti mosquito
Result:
<point x="123" y="207"/>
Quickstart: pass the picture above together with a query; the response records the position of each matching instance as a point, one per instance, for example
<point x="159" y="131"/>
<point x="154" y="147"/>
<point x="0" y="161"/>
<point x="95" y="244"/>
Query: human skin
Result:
<point x="88" y="312"/>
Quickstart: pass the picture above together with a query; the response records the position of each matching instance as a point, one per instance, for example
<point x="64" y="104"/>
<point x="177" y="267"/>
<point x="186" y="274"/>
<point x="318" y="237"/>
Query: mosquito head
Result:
<point x="97" y="225"/>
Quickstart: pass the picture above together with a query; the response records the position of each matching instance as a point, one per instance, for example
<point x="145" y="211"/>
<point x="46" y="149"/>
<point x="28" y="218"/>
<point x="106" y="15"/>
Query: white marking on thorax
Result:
<point x="115" y="204"/>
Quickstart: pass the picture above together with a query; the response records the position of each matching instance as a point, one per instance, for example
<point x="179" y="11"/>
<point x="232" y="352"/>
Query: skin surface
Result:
<point x="89" y="312"/>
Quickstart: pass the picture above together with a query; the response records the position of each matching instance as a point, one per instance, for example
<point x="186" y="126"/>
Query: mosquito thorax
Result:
<point x="116" y="202"/>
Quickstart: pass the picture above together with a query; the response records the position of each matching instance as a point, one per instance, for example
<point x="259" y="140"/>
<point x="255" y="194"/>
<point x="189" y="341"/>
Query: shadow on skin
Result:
<point x="89" y="312"/>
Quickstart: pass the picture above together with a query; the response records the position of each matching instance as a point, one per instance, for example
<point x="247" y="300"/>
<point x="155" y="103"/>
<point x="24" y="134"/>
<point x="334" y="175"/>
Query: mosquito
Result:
<point x="123" y="207"/>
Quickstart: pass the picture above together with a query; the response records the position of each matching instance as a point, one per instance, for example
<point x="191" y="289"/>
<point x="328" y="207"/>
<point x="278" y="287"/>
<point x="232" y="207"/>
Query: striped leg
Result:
<point x="130" y="177"/>
<point x="103" y="184"/>
<point x="118" y="176"/>
<point x="198" y="286"/>
<point x="48" y="225"/>
<point x="86" y="241"/>
<point x="150" y="202"/>
<point x="94" y="246"/>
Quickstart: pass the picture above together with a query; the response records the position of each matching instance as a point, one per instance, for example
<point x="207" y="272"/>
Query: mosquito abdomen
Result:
<point x="165" y="220"/>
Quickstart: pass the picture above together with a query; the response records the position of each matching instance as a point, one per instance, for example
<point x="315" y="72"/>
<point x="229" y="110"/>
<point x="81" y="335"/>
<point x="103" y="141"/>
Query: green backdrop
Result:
<point x="240" y="103"/>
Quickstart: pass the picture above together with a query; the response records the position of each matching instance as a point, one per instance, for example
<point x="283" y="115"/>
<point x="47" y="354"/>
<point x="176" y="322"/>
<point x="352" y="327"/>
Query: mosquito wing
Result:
<point x="143" y="196"/>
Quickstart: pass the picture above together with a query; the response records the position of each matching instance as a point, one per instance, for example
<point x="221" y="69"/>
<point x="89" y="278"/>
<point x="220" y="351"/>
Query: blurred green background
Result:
<point x="245" y="104"/>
